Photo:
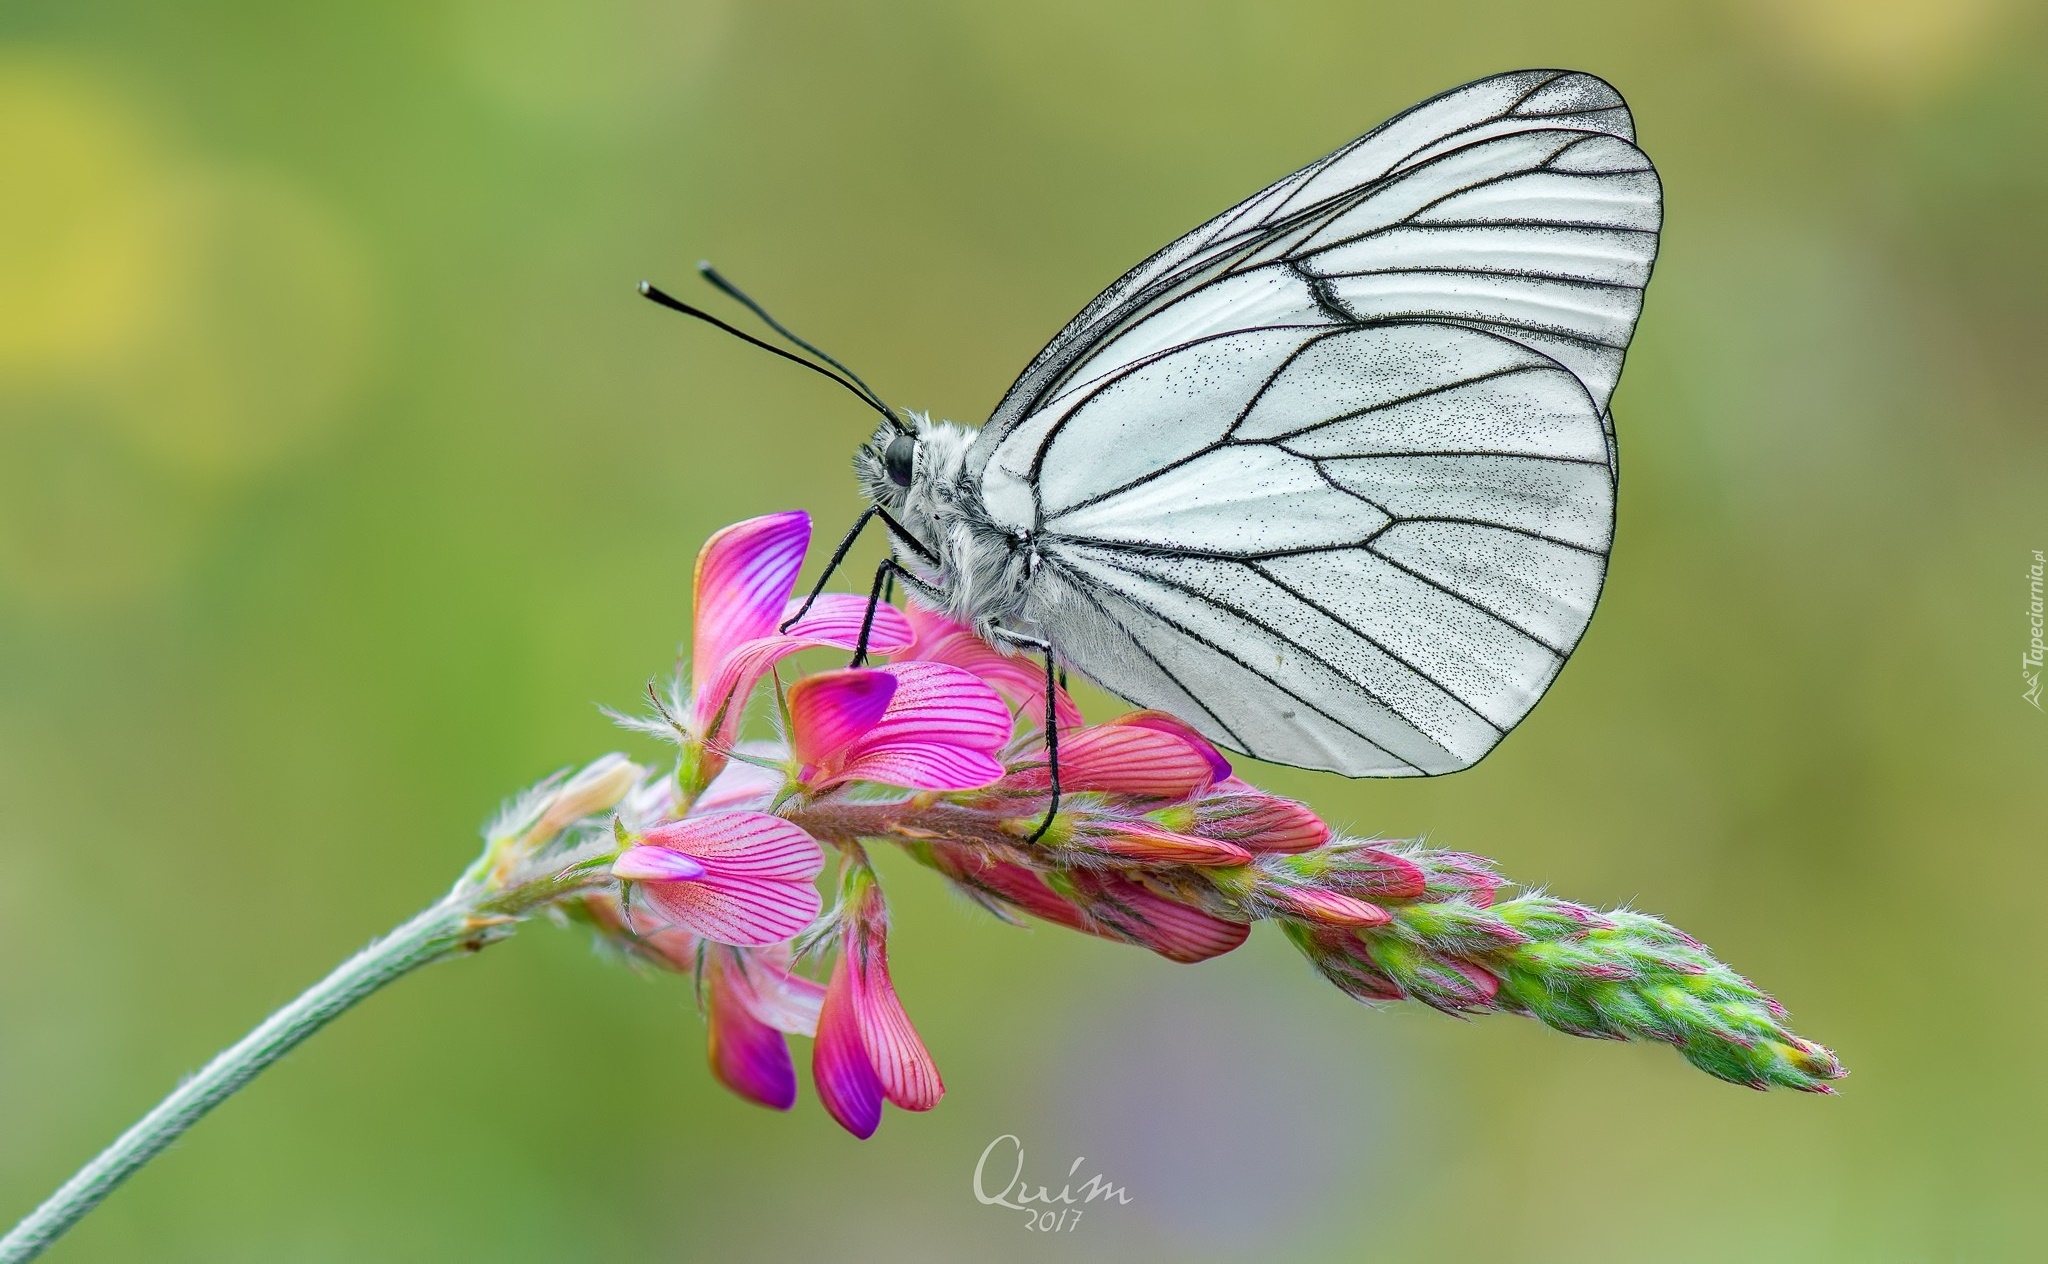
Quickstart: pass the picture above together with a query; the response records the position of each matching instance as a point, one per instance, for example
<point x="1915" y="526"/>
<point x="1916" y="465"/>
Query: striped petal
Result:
<point x="748" y="1056"/>
<point x="846" y="1080"/>
<point x="1125" y="759"/>
<point x="1138" y="915"/>
<point x="787" y="1002"/>
<point x="657" y="864"/>
<point x="938" y="703"/>
<point x="830" y="711"/>
<point x="743" y="581"/>
<point x="741" y="785"/>
<point x="742" y="911"/>
<point x="1260" y="822"/>
<point x="1329" y="908"/>
<point x="1012" y="883"/>
<point x="1135" y="840"/>
<point x="743" y="844"/>
<point x="924" y="766"/>
<point x="1160" y="721"/>
<point x="1020" y="681"/>
<point x="835" y="619"/>
<point x="903" y="1066"/>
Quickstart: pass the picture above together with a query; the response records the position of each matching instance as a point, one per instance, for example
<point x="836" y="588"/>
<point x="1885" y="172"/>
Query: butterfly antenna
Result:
<point x="716" y="278"/>
<point x="657" y="295"/>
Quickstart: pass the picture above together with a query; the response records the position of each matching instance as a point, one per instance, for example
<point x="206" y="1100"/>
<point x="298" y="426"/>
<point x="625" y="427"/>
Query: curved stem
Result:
<point x="440" y="931"/>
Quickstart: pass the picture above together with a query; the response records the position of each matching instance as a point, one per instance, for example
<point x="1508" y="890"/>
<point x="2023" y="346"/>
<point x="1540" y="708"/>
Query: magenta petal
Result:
<point x="787" y="1002"/>
<point x="1019" y="680"/>
<point x="902" y="1065"/>
<point x="1151" y="844"/>
<point x="929" y="626"/>
<point x="739" y="785"/>
<point x="846" y="1080"/>
<point x="749" y="844"/>
<point x="1260" y="822"/>
<point x="656" y="864"/>
<point x="938" y="703"/>
<point x="1164" y="723"/>
<point x="745" y="912"/>
<point x="1136" y="913"/>
<point x="747" y="1055"/>
<point x="835" y="619"/>
<point x="744" y="576"/>
<point x="829" y="711"/>
<point x="925" y="766"/>
<point x="1130" y="759"/>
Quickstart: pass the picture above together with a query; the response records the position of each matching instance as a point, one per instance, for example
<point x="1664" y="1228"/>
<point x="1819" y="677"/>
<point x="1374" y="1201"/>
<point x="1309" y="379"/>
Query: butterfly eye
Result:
<point x="899" y="459"/>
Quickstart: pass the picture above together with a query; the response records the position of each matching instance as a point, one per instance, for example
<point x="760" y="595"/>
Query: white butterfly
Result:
<point x="1331" y="477"/>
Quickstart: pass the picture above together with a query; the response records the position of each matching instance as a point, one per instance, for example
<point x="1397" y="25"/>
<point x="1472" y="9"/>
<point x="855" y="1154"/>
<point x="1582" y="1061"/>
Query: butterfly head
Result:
<point x="887" y="465"/>
<point x="917" y="473"/>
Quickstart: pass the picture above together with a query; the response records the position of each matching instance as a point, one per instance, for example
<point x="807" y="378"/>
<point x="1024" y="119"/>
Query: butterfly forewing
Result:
<point x="1332" y="476"/>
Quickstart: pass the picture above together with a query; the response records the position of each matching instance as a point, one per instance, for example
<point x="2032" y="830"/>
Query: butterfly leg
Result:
<point x="845" y="546"/>
<point x="885" y="576"/>
<point x="1055" y="680"/>
<point x="838" y="556"/>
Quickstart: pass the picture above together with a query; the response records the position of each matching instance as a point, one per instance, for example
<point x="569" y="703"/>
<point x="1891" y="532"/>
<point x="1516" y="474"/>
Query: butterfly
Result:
<point x="1332" y="477"/>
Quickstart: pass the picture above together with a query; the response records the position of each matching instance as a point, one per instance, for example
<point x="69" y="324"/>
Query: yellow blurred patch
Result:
<point x="1894" y="49"/>
<point x="81" y="235"/>
<point x="171" y="329"/>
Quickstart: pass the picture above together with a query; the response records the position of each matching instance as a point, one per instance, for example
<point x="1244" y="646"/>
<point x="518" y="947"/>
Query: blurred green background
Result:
<point x="341" y="472"/>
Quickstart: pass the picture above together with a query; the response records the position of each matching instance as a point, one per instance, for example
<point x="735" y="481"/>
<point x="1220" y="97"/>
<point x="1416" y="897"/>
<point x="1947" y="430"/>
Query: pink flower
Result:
<point x="1019" y="680"/>
<point x="867" y="1052"/>
<point x="735" y="877"/>
<point x="745" y="575"/>
<point x="1146" y="754"/>
<point x="752" y="1000"/>
<point x="921" y="726"/>
<point x="1256" y="821"/>
<point x="1126" y="909"/>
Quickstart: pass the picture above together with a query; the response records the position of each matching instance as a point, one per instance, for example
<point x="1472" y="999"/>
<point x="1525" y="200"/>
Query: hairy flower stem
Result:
<point x="465" y="921"/>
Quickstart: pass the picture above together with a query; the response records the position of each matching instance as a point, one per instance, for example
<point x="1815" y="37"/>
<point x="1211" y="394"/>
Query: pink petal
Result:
<point x="1261" y="822"/>
<point x="656" y="864"/>
<point x="1374" y="874"/>
<point x="1125" y="759"/>
<point x="1013" y="883"/>
<point x="739" y="785"/>
<point x="1164" y="723"/>
<point x="1138" y="915"/>
<point x="835" y="618"/>
<point x="829" y="711"/>
<point x="928" y="626"/>
<point x="1329" y="908"/>
<point x="736" y="910"/>
<point x="846" y="1080"/>
<point x="744" y="575"/>
<point x="918" y="766"/>
<point x="750" y="844"/>
<point x="785" y="1001"/>
<point x="1149" y="843"/>
<point x="747" y="1055"/>
<point x="937" y="703"/>
<point x="902" y="1065"/>
<point x="1017" y="679"/>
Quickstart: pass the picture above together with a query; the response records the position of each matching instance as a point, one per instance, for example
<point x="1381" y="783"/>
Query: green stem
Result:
<point x="440" y="931"/>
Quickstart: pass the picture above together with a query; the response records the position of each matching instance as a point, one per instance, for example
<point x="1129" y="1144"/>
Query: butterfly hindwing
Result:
<point x="1332" y="476"/>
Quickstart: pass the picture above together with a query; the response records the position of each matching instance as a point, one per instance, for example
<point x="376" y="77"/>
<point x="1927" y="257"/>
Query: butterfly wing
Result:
<point x="1332" y="476"/>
